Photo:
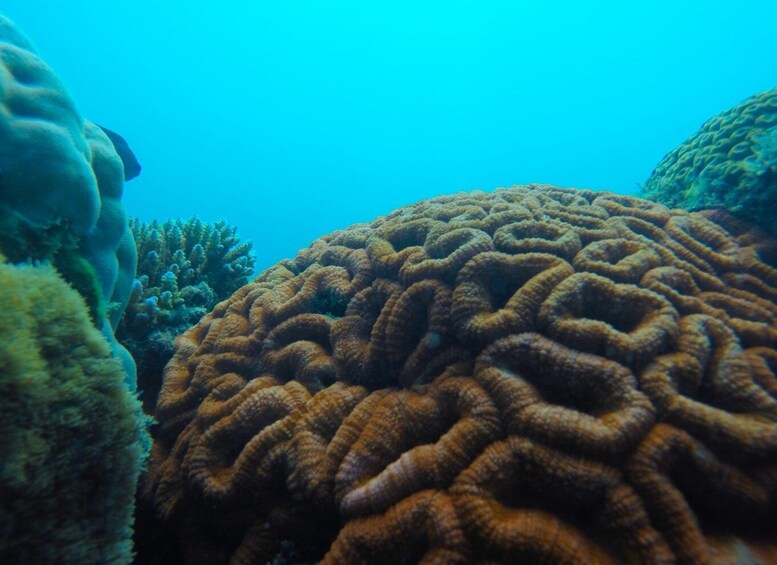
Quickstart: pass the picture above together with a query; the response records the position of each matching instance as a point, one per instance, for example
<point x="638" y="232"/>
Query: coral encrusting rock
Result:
<point x="184" y="269"/>
<point x="731" y="163"/>
<point x="530" y="375"/>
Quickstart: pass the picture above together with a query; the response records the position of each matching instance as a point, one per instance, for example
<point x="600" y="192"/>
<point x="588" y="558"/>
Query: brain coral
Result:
<point x="61" y="182"/>
<point x="731" y="162"/>
<point x="72" y="439"/>
<point x="531" y="375"/>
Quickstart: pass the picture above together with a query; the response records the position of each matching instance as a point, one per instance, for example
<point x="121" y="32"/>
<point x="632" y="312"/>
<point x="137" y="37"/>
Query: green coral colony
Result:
<point x="73" y="437"/>
<point x="731" y="163"/>
<point x="82" y="287"/>
<point x="67" y="485"/>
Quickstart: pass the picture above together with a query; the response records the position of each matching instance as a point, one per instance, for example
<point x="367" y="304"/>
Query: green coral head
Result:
<point x="730" y="163"/>
<point x="82" y="276"/>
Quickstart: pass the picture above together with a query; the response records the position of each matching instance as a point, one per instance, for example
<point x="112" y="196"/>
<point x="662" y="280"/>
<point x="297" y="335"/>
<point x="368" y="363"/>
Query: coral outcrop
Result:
<point x="61" y="182"/>
<point x="184" y="269"/>
<point x="731" y="163"/>
<point x="531" y="375"/>
<point x="72" y="440"/>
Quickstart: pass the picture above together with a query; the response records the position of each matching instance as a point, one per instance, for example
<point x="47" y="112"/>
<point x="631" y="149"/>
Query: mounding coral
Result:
<point x="731" y="163"/>
<point x="72" y="438"/>
<point x="61" y="182"/>
<point x="184" y="269"/>
<point x="531" y="375"/>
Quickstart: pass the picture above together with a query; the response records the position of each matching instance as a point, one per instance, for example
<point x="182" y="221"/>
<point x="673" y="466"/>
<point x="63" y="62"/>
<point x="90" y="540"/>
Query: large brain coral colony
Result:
<point x="731" y="163"/>
<point x="530" y="375"/>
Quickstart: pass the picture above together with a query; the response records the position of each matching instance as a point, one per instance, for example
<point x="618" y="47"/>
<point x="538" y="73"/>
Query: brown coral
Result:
<point x="535" y="374"/>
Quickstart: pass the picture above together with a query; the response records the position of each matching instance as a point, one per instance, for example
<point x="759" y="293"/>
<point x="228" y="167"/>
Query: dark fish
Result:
<point x="131" y="164"/>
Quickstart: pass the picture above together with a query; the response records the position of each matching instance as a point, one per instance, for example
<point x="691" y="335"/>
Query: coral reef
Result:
<point x="531" y="375"/>
<point x="731" y="163"/>
<point x="72" y="438"/>
<point x="60" y="187"/>
<point x="184" y="269"/>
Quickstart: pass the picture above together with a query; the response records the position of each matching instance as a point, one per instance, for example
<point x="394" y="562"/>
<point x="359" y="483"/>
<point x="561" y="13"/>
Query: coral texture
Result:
<point x="72" y="438"/>
<point x="731" y="162"/>
<point x="60" y="187"/>
<point x="536" y="375"/>
<point x="184" y="269"/>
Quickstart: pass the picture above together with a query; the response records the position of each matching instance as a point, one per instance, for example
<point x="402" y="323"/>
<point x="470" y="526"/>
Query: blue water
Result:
<point x="291" y="119"/>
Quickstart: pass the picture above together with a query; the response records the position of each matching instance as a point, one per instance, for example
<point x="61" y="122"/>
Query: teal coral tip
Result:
<point x="185" y="267"/>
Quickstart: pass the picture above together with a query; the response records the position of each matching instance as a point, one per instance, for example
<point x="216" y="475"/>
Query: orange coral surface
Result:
<point x="531" y="375"/>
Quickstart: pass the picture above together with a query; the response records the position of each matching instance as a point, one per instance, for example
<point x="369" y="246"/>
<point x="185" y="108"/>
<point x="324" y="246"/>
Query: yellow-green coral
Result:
<point x="72" y="439"/>
<point x="731" y="162"/>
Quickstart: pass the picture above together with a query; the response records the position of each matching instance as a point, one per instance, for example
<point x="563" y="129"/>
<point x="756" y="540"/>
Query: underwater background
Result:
<point x="528" y="374"/>
<point x="292" y="119"/>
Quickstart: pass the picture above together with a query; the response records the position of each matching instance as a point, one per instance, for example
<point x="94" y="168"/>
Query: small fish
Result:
<point x="131" y="164"/>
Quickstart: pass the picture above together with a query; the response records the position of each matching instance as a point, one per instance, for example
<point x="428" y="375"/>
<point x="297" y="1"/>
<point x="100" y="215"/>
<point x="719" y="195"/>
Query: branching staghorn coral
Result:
<point x="184" y="269"/>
